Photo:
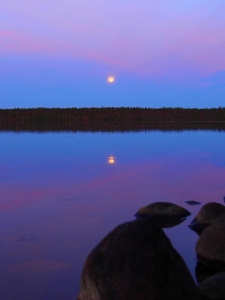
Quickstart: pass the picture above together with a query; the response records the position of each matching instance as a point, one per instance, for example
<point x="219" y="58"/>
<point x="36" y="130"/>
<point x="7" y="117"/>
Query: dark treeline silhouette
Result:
<point x="111" y="119"/>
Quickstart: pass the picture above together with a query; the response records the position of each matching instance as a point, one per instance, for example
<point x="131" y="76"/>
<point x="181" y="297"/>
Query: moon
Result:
<point x="111" y="79"/>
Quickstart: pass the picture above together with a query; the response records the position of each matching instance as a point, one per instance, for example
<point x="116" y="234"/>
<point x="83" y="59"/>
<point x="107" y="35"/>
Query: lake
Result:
<point x="62" y="192"/>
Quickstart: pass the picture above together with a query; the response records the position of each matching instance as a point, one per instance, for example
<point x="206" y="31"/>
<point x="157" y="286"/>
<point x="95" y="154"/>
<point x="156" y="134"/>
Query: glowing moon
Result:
<point x="111" y="79"/>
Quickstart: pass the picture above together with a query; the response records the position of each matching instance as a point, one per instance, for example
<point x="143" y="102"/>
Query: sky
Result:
<point x="168" y="53"/>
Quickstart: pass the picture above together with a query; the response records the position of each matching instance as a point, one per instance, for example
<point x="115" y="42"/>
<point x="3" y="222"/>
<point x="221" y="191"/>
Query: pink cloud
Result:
<point x="152" y="39"/>
<point x="12" y="42"/>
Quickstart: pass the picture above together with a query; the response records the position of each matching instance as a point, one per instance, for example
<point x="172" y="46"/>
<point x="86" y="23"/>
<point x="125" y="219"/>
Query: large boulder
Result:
<point x="210" y="246"/>
<point x="213" y="287"/>
<point x="206" y="216"/>
<point x="165" y="214"/>
<point x="136" y="261"/>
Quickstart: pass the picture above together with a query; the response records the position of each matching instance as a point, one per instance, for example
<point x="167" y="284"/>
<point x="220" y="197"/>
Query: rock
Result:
<point x="192" y="202"/>
<point x="164" y="224"/>
<point x="165" y="214"/>
<point x="136" y="261"/>
<point x="203" y="271"/>
<point x="210" y="246"/>
<point x="206" y="216"/>
<point x="213" y="287"/>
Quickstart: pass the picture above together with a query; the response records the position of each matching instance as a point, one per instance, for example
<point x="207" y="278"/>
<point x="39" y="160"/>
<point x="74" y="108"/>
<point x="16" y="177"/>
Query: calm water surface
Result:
<point x="59" y="196"/>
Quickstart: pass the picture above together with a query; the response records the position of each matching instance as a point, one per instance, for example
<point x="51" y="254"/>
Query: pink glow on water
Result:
<point x="130" y="184"/>
<point x="60" y="197"/>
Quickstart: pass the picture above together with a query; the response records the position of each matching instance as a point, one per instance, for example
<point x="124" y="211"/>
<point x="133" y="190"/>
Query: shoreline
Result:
<point x="111" y="119"/>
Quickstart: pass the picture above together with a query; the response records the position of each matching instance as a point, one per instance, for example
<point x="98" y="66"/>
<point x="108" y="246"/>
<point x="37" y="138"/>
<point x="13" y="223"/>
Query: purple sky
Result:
<point x="162" y="53"/>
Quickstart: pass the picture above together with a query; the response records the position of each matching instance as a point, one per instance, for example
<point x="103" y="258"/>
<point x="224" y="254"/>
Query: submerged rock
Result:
<point x="165" y="214"/>
<point x="213" y="287"/>
<point x="210" y="246"/>
<point x="192" y="202"/>
<point x="136" y="261"/>
<point x="206" y="216"/>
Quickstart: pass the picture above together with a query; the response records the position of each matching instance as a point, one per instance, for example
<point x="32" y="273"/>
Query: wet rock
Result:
<point x="210" y="246"/>
<point x="213" y="287"/>
<point x="165" y="214"/>
<point x="206" y="216"/>
<point x="192" y="202"/>
<point x="136" y="261"/>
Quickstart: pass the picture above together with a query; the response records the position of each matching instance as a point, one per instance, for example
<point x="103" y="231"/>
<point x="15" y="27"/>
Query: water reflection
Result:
<point x="59" y="198"/>
<point x="111" y="160"/>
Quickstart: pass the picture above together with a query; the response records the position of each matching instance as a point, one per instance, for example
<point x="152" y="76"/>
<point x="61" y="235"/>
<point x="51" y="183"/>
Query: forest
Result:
<point x="111" y="119"/>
